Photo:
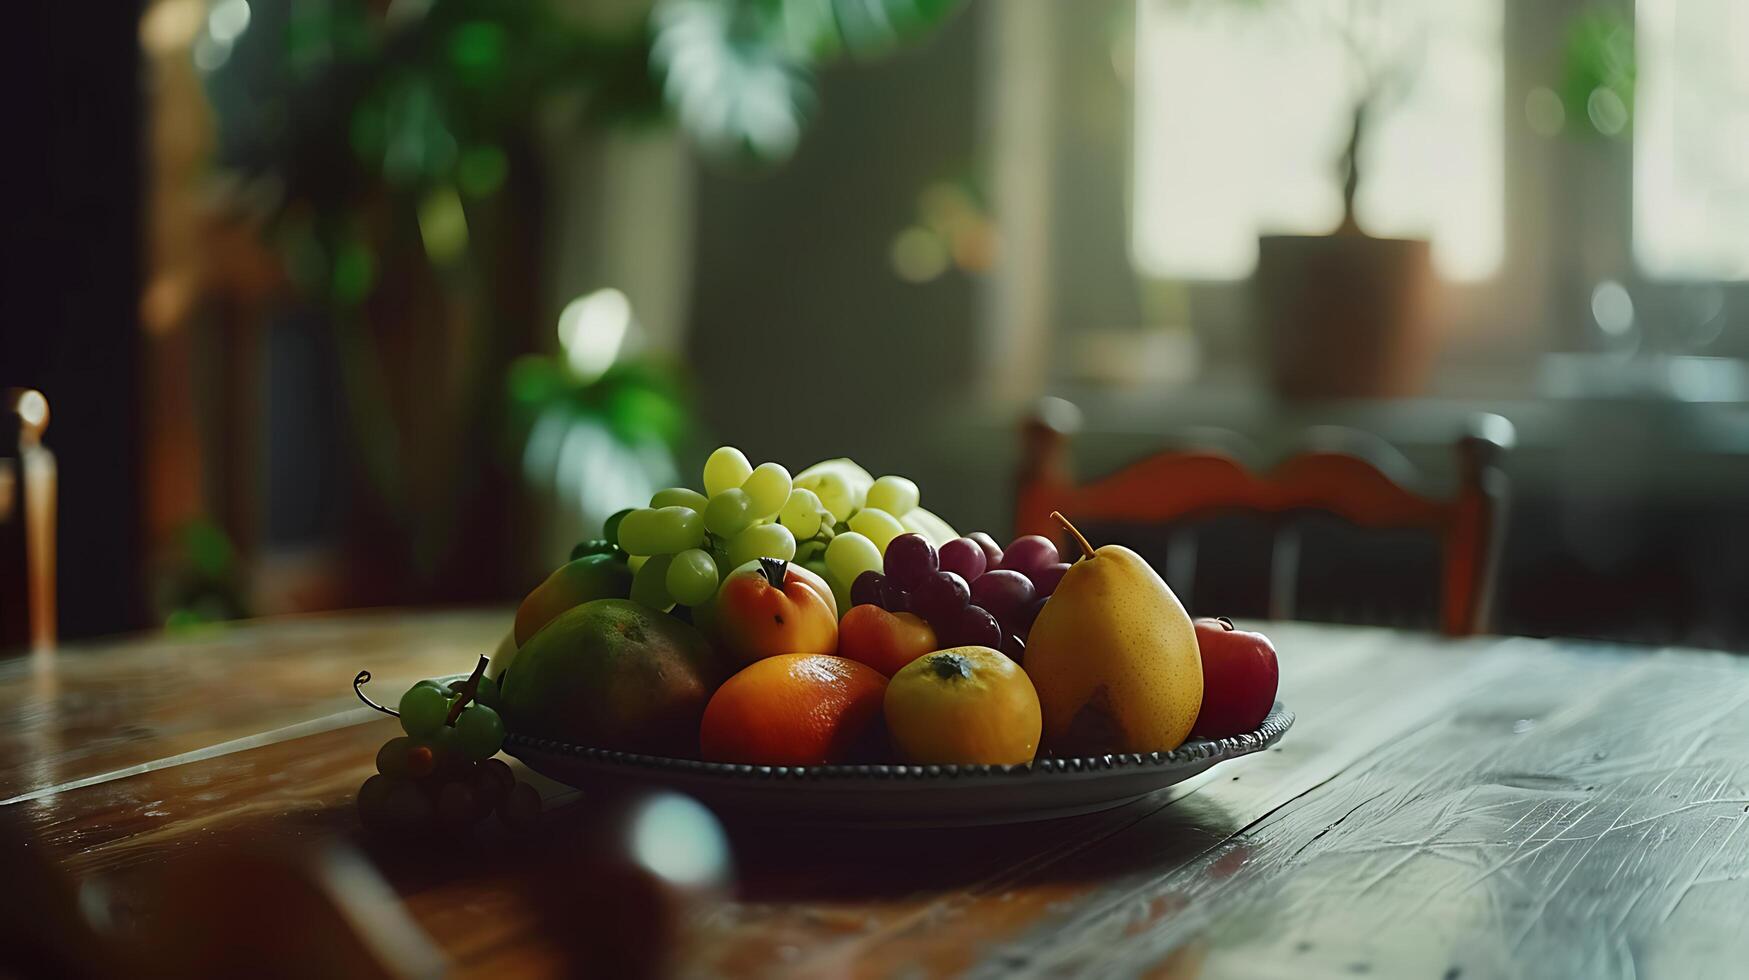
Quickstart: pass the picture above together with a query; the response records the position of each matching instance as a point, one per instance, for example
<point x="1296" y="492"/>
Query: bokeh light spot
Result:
<point x="919" y="255"/>
<point x="1544" y="112"/>
<point x="591" y="330"/>
<point x="1612" y="308"/>
<point x="228" y="20"/>
<point x="443" y="225"/>
<point x="1607" y="111"/>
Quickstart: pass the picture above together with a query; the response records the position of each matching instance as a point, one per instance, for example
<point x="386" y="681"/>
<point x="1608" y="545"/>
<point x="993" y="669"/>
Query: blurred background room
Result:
<point x="358" y="303"/>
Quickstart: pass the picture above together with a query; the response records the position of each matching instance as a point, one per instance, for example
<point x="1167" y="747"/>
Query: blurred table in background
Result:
<point x="1441" y="809"/>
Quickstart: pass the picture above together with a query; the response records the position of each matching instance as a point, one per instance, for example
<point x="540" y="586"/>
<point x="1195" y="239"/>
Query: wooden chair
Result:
<point x="1367" y="492"/>
<point x="27" y="525"/>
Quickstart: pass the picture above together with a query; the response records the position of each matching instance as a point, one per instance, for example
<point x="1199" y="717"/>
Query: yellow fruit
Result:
<point x="1113" y="656"/>
<point x="965" y="705"/>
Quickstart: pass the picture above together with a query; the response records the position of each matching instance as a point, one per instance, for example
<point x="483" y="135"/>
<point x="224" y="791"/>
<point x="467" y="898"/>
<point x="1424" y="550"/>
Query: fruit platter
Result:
<point x="821" y="648"/>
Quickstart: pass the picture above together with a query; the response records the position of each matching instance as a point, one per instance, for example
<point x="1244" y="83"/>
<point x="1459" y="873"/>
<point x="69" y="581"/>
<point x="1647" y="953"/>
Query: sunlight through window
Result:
<point x="1691" y="139"/>
<point x="1242" y="114"/>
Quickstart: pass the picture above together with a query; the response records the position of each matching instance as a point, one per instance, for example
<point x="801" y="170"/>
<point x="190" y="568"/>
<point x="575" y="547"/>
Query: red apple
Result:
<point x="1239" y="675"/>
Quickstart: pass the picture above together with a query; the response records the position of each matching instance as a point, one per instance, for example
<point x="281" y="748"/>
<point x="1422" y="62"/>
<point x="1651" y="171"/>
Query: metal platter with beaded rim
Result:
<point x="899" y="795"/>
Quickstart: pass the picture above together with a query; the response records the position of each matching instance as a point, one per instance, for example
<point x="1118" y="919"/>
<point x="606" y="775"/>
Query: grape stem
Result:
<point x="465" y="692"/>
<point x="358" y="684"/>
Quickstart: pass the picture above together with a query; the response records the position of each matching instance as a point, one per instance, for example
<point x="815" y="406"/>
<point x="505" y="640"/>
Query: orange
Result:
<point x="798" y="709"/>
<point x="963" y="705"/>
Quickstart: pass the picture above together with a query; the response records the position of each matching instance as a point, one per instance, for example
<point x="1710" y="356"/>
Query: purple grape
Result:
<point x="963" y="555"/>
<point x="867" y="589"/>
<point x="1030" y="554"/>
<point x="1003" y="593"/>
<point x="940" y="597"/>
<point x="1015" y="648"/>
<point x="971" y="626"/>
<point x="893" y="598"/>
<point x="992" y="550"/>
<point x="910" y="559"/>
<point x="1045" y="579"/>
<point x="1022" y="625"/>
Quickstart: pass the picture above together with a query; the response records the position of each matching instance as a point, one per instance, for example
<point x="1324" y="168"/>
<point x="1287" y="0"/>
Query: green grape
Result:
<point x="893" y="494"/>
<point x="729" y="513"/>
<point x="489" y="787"/>
<point x="802" y="513"/>
<point x="650" y="584"/>
<point x="876" y="525"/>
<point x="661" y="531"/>
<point x="444" y="750"/>
<point x="761" y="541"/>
<point x="423" y="710"/>
<point x="679" y="497"/>
<point x="850" y="554"/>
<point x="392" y="803"/>
<point x="479" y="732"/>
<point x="818" y="567"/>
<point x="392" y="757"/>
<point x="726" y="469"/>
<point x="810" y="550"/>
<point x="487" y="692"/>
<point x="456" y="807"/>
<point x="610" y="528"/>
<point x="636" y="562"/>
<point x="769" y="486"/>
<point x="835" y="496"/>
<point x="597" y="546"/>
<point x="692" y="576"/>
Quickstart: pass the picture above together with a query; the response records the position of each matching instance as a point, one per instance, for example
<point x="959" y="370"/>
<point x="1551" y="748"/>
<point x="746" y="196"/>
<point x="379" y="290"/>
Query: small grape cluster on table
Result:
<point x="442" y="773"/>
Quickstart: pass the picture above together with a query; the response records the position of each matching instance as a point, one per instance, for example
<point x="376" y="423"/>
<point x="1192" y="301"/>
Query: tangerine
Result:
<point x="798" y="709"/>
<point x="963" y="705"/>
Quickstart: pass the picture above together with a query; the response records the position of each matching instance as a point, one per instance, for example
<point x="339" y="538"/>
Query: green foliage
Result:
<point x="1598" y="71"/>
<point x="342" y="102"/>
<point x="639" y="402"/>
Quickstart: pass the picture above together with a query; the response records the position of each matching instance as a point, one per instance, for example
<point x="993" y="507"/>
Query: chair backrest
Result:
<point x="1173" y="486"/>
<point x="27" y="515"/>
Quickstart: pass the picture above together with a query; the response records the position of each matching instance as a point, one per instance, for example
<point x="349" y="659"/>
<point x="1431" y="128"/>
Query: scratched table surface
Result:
<point x="1476" y="808"/>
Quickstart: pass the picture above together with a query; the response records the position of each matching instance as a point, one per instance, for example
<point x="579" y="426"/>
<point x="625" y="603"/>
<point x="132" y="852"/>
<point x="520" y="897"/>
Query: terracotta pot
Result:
<point x="1345" y="315"/>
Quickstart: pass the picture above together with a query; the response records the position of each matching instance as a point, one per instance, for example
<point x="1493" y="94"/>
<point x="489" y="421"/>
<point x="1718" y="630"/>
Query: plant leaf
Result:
<point x="735" y="88"/>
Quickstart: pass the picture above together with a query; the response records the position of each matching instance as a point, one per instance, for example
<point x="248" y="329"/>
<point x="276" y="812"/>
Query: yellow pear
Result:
<point x="1113" y="656"/>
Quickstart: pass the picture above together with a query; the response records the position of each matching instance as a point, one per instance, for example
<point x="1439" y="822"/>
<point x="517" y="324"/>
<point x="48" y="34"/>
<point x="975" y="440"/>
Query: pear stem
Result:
<point x="1086" y="549"/>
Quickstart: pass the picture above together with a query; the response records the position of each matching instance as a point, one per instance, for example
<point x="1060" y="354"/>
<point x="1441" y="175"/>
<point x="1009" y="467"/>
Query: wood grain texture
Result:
<point x="1441" y="809"/>
<point x="86" y="710"/>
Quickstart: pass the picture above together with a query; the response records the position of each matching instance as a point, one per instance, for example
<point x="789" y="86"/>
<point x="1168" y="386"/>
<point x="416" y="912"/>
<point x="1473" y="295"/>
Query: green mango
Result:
<point x="572" y="584"/>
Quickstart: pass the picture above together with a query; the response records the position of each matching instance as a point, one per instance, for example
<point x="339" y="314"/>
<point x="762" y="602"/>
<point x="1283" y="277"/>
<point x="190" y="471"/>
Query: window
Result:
<point x="1691" y="139"/>
<point x="1243" y="112"/>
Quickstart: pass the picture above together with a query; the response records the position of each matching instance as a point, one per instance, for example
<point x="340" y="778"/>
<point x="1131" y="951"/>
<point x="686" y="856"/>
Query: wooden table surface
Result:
<point x="1440" y="809"/>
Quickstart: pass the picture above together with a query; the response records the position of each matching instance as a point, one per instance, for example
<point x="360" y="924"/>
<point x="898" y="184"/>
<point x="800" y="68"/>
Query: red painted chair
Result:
<point x="1175" y="486"/>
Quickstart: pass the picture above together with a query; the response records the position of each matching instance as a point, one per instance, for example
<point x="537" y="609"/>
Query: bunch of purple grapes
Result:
<point x="971" y="592"/>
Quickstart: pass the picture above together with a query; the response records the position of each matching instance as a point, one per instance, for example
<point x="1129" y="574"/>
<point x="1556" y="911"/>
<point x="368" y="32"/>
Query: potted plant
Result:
<point x="1346" y="315"/>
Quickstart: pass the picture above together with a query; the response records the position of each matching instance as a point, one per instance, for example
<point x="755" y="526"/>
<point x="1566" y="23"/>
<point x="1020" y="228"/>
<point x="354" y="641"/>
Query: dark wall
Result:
<point x="70" y="113"/>
<point x="804" y="342"/>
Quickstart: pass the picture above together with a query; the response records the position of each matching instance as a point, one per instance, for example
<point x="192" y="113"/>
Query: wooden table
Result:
<point x="1441" y="809"/>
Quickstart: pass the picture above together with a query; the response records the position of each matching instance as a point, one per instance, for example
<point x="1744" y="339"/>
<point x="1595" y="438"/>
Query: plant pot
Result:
<point x="1345" y="315"/>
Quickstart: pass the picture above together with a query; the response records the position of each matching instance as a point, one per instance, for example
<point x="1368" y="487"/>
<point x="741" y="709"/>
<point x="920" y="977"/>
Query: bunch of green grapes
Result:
<point x="683" y="544"/>
<point x="441" y="773"/>
<point x="863" y="524"/>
